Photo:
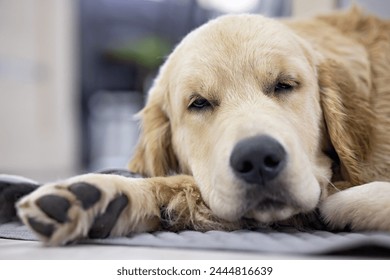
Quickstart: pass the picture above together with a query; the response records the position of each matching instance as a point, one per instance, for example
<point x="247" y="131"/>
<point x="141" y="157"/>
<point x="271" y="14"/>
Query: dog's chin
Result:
<point x="271" y="210"/>
<point x="267" y="211"/>
<point x="272" y="215"/>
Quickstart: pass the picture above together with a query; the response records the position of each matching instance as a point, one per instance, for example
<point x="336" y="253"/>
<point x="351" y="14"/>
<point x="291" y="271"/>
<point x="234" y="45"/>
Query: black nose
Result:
<point x="257" y="160"/>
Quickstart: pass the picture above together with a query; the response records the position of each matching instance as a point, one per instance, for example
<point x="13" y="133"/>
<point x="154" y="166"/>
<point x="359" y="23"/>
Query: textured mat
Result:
<point x="266" y="241"/>
<point x="314" y="243"/>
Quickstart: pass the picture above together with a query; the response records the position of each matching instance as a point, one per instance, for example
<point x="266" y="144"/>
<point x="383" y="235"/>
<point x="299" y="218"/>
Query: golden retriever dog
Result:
<point x="251" y="122"/>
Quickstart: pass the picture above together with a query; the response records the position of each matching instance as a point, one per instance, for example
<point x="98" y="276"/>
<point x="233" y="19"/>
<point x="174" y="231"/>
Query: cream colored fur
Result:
<point x="334" y="125"/>
<point x="341" y="60"/>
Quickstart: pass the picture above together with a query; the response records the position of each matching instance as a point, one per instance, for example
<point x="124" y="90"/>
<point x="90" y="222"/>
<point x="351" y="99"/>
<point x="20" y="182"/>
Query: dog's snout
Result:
<point x="258" y="160"/>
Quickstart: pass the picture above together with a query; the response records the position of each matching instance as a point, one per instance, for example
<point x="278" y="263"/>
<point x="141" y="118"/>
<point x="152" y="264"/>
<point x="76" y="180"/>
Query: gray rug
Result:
<point x="273" y="242"/>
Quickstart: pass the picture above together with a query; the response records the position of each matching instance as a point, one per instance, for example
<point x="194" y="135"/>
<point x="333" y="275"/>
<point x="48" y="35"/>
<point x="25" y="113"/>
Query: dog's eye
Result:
<point x="283" y="87"/>
<point x="199" y="103"/>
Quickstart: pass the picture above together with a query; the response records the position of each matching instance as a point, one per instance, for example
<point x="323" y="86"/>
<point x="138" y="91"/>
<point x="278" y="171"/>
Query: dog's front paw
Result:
<point x="361" y="208"/>
<point x="93" y="206"/>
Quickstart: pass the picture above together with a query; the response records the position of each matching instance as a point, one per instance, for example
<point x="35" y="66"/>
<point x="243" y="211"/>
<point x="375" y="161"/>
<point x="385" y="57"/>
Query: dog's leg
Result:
<point x="102" y="205"/>
<point x="360" y="208"/>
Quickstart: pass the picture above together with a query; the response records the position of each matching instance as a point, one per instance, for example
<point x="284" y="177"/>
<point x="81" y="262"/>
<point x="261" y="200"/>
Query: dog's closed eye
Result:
<point x="283" y="87"/>
<point x="197" y="103"/>
<point x="200" y="103"/>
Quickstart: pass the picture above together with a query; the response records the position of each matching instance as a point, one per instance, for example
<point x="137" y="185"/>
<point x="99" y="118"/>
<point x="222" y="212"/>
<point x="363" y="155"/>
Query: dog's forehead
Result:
<point x="234" y="51"/>
<point x="237" y="32"/>
<point x="235" y="43"/>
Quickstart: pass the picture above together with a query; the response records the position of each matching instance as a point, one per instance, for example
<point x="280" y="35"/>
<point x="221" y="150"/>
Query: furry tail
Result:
<point x="12" y="188"/>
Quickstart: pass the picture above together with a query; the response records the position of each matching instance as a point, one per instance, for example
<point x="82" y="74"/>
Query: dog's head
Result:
<point x="239" y="105"/>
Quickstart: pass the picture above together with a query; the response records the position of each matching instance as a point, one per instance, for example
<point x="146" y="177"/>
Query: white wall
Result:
<point x="306" y="8"/>
<point x="38" y="132"/>
<point x="380" y="8"/>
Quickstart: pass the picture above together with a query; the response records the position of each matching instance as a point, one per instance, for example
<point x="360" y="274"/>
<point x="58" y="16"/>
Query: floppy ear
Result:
<point x="347" y="114"/>
<point x="153" y="155"/>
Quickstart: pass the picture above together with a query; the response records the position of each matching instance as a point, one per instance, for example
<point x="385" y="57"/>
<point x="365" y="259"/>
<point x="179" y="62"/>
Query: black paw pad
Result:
<point x="10" y="192"/>
<point x="104" y="223"/>
<point x="86" y="193"/>
<point x="55" y="207"/>
<point x="43" y="229"/>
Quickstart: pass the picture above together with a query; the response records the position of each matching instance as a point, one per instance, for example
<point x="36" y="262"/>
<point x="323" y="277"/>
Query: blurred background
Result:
<point x="74" y="72"/>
